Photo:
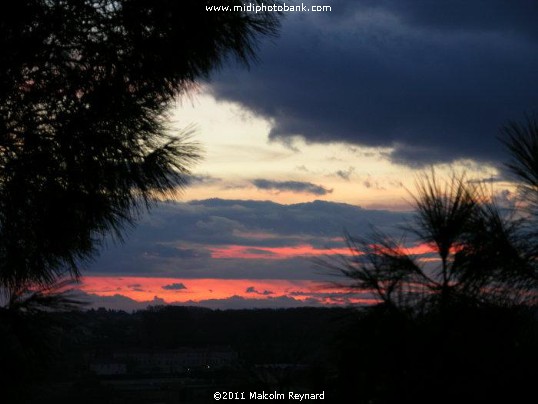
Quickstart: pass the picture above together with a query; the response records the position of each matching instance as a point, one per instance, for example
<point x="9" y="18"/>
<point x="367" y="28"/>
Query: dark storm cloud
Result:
<point x="434" y="80"/>
<point x="174" y="286"/>
<point x="179" y="239"/>
<point x="472" y="15"/>
<point x="291" y="186"/>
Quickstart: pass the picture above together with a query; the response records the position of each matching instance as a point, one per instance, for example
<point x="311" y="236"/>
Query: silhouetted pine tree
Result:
<point x="460" y="326"/>
<point x="479" y="253"/>
<point x="84" y="142"/>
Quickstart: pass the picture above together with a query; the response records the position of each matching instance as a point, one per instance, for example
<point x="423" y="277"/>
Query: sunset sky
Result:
<point x="326" y="133"/>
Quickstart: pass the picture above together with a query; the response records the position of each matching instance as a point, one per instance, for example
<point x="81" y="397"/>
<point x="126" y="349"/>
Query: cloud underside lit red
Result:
<point x="187" y="290"/>
<point x="198" y="290"/>
<point x="303" y="250"/>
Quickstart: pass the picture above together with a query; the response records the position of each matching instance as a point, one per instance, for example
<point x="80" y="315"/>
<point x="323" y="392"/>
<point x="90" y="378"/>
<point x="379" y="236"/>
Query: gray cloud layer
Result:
<point x="178" y="238"/>
<point x="433" y="79"/>
<point x="291" y="186"/>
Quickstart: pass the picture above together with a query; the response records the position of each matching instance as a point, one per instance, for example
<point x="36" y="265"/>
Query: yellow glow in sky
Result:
<point x="237" y="150"/>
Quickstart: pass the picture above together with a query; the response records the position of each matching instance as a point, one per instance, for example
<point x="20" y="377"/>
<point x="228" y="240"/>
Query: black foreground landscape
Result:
<point x="185" y="355"/>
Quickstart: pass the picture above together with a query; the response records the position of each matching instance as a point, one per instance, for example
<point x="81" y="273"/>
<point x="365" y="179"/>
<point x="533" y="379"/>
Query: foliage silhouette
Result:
<point x="478" y="254"/>
<point x="521" y="140"/>
<point x="461" y="328"/>
<point x="30" y="337"/>
<point x="84" y="141"/>
<point x="466" y="355"/>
